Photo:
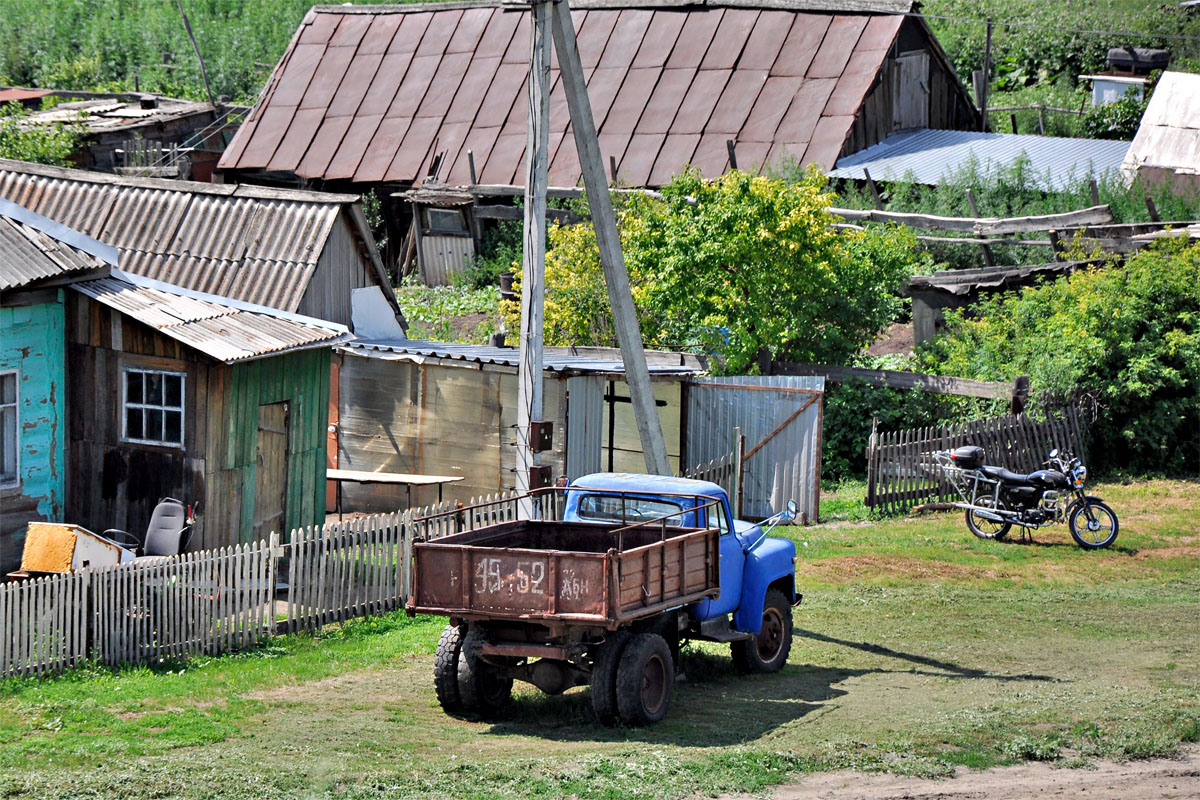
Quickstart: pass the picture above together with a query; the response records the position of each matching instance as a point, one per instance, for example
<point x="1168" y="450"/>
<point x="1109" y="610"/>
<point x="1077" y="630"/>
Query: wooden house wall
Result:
<point x="300" y="379"/>
<point x="116" y="484"/>
<point x="32" y="342"/>
<point x="341" y="268"/>
<point x="949" y="107"/>
<point x="432" y="419"/>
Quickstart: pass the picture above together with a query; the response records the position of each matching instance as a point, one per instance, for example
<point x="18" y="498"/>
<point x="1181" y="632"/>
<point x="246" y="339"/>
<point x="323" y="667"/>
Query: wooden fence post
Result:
<point x="872" y="457"/>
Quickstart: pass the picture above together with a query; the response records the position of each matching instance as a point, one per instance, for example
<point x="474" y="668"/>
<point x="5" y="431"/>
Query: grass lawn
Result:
<point x="918" y="648"/>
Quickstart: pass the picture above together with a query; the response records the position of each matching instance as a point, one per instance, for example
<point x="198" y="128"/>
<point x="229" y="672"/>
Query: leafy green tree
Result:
<point x="732" y="266"/>
<point x="43" y="144"/>
<point x="1128" y="337"/>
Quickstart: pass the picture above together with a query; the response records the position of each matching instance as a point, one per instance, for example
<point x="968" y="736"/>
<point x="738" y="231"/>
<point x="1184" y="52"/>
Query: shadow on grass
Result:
<point x="946" y="669"/>
<point x="714" y="706"/>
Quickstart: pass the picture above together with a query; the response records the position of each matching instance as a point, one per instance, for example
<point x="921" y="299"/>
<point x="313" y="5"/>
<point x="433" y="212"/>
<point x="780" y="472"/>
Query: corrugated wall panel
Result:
<point x="788" y="466"/>
<point x="443" y="256"/>
<point x="585" y="424"/>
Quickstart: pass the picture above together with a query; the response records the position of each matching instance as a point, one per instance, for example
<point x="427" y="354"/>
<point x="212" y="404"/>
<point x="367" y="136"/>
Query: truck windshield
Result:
<point x="607" y="508"/>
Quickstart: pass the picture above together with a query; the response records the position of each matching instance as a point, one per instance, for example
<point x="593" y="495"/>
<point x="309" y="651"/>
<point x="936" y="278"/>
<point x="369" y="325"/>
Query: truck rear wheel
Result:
<point x="604" y="677"/>
<point x="482" y="687"/>
<point x="445" y="669"/>
<point x="768" y="651"/>
<point x="645" y="680"/>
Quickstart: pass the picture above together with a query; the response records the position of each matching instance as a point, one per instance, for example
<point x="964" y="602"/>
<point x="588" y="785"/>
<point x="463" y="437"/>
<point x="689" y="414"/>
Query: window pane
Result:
<point x="8" y="388"/>
<point x="154" y="425"/>
<point x="8" y="445"/>
<point x="173" y="391"/>
<point x="174" y="422"/>
<point x="154" y="389"/>
<point x="133" y="387"/>
<point x="133" y="423"/>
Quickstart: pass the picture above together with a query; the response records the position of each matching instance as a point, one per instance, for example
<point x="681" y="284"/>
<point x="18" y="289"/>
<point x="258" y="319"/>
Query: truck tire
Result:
<point x="768" y="651"/>
<point x="483" y="688"/>
<point x="645" y="680"/>
<point x="604" y="677"/>
<point x="445" y="669"/>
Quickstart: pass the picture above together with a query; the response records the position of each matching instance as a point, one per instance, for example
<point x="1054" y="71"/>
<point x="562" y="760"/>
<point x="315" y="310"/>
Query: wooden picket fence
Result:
<point x="901" y="473"/>
<point x="43" y="624"/>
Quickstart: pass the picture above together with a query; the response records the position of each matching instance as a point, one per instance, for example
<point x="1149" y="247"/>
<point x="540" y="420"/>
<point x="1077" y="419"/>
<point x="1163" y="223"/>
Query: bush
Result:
<point x="1129" y="337"/>
<point x="42" y="144"/>
<point x="731" y="266"/>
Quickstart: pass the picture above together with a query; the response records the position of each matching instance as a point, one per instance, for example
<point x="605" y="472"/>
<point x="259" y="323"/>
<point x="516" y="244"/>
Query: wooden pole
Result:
<point x="1152" y="209"/>
<point x="533" y="260"/>
<point x="987" y="75"/>
<point x="203" y="72"/>
<point x="987" y="250"/>
<point x="1013" y="119"/>
<point x="616" y="277"/>
<point x="732" y="154"/>
<point x="874" y="189"/>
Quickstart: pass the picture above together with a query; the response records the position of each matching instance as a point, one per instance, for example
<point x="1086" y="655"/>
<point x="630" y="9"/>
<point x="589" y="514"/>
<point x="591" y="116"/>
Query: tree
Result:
<point x="43" y="144"/>
<point x="730" y="267"/>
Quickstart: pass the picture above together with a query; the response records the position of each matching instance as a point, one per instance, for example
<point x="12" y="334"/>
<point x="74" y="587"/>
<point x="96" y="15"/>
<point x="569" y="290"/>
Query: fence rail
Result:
<point x="901" y="473"/>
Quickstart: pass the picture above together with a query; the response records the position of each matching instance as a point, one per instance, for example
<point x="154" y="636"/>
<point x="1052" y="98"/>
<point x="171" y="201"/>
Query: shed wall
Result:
<point x="340" y="270"/>
<point x="32" y="342"/>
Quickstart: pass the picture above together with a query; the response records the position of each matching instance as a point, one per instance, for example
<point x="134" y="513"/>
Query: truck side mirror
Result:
<point x="792" y="509"/>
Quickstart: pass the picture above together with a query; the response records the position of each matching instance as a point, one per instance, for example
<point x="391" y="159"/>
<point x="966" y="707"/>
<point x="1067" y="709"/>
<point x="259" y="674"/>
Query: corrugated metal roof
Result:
<point x="1169" y="135"/>
<point x="250" y="243"/>
<point x="33" y="248"/>
<point x="221" y="329"/>
<point x="416" y="350"/>
<point x="928" y="156"/>
<point x="374" y="93"/>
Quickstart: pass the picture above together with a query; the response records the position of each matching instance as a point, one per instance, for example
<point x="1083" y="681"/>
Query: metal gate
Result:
<point x="780" y="418"/>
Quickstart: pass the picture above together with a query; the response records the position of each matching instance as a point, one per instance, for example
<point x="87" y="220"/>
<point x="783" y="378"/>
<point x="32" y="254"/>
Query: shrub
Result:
<point x="731" y="266"/>
<point x="43" y="144"/>
<point x="1129" y="337"/>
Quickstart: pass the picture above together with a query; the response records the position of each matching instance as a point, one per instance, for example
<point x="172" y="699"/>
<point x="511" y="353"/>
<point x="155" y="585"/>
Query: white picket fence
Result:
<point x="43" y="624"/>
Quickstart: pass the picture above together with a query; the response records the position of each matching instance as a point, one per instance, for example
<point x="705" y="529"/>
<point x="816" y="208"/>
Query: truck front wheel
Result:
<point x="483" y="688"/>
<point x="645" y="680"/>
<point x="768" y="651"/>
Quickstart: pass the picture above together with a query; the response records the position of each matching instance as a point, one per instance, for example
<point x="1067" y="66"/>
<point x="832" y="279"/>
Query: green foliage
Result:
<point x="1118" y="120"/>
<point x="730" y="266"/>
<point x="1129" y="337"/>
<point x="449" y="313"/>
<point x="1033" y="41"/>
<point x="43" y="144"/>
<point x="501" y="252"/>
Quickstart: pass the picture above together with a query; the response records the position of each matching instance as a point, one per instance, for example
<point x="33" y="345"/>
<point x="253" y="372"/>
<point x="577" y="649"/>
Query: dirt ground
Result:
<point x="1154" y="779"/>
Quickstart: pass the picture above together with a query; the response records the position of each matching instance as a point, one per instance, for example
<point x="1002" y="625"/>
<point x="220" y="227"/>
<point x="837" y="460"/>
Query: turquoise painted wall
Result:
<point x="33" y="341"/>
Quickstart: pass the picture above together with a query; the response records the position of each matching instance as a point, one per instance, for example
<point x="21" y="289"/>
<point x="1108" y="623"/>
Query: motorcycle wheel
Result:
<point x="986" y="528"/>
<point x="1096" y="529"/>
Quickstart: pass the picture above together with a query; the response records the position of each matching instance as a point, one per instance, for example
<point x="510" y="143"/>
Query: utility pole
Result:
<point x="987" y="77"/>
<point x="616" y="276"/>
<point x="552" y="20"/>
<point x="533" y="260"/>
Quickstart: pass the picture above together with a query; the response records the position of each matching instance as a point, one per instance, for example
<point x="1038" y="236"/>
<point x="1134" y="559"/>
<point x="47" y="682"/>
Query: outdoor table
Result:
<point x="395" y="478"/>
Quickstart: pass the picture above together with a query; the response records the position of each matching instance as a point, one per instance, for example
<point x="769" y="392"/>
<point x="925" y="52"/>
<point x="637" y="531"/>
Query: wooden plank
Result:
<point x="1095" y="215"/>
<point x="897" y="380"/>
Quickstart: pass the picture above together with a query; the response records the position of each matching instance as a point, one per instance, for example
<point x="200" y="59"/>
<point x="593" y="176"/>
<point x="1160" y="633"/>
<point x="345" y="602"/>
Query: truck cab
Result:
<point x="757" y="571"/>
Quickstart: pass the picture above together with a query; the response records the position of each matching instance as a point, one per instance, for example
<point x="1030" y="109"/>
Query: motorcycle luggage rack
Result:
<point x="966" y="482"/>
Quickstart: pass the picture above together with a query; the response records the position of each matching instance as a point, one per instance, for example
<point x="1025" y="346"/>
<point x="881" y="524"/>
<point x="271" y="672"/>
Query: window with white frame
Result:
<point x="153" y="407"/>
<point x="9" y="425"/>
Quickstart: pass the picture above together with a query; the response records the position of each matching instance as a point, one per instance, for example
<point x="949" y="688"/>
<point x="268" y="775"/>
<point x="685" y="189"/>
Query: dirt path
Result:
<point x="1155" y="779"/>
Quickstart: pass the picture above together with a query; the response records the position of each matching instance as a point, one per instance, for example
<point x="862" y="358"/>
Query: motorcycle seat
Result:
<point x="1005" y="476"/>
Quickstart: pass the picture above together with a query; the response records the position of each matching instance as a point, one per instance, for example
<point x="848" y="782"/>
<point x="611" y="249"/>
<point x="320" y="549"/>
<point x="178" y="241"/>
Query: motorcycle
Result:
<point x="995" y="499"/>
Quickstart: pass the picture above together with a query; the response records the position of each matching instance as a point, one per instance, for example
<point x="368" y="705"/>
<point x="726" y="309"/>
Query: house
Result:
<point x="1166" y="148"/>
<point x="307" y="253"/>
<point x="119" y="390"/>
<point x="150" y="133"/>
<point x="34" y="269"/>
<point x="380" y="97"/>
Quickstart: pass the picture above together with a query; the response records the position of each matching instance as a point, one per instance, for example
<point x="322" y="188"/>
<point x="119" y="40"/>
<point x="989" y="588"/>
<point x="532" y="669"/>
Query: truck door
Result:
<point x="732" y="565"/>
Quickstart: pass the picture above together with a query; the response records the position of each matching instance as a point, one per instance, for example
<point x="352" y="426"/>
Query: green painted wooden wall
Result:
<point x="302" y="380"/>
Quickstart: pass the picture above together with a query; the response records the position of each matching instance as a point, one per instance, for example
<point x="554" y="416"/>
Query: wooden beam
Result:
<point x="562" y="215"/>
<point x="939" y="384"/>
<point x="1096" y="215"/>
<point x="987" y="250"/>
<point x="616" y="276"/>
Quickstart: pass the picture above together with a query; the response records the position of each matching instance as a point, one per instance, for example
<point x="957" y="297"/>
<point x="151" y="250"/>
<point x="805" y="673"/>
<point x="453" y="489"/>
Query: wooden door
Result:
<point x="911" y="97"/>
<point x="271" y="481"/>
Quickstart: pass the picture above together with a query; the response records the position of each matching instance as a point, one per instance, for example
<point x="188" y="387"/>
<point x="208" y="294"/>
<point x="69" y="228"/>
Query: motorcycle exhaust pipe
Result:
<point x="988" y="515"/>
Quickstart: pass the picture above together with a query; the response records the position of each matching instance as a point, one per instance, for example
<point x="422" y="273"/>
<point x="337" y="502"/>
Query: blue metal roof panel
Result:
<point x="929" y="156"/>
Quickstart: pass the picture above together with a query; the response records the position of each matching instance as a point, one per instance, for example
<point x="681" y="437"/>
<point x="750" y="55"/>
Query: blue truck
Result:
<point x="600" y="583"/>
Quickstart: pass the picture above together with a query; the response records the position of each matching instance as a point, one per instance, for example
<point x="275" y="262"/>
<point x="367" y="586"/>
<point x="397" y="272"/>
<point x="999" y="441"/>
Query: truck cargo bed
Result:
<point x="565" y="571"/>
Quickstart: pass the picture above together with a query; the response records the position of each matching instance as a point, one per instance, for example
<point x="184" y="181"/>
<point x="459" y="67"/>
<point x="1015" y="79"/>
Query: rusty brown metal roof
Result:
<point x="376" y="93"/>
<point x="254" y="244"/>
<point x="222" y="329"/>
